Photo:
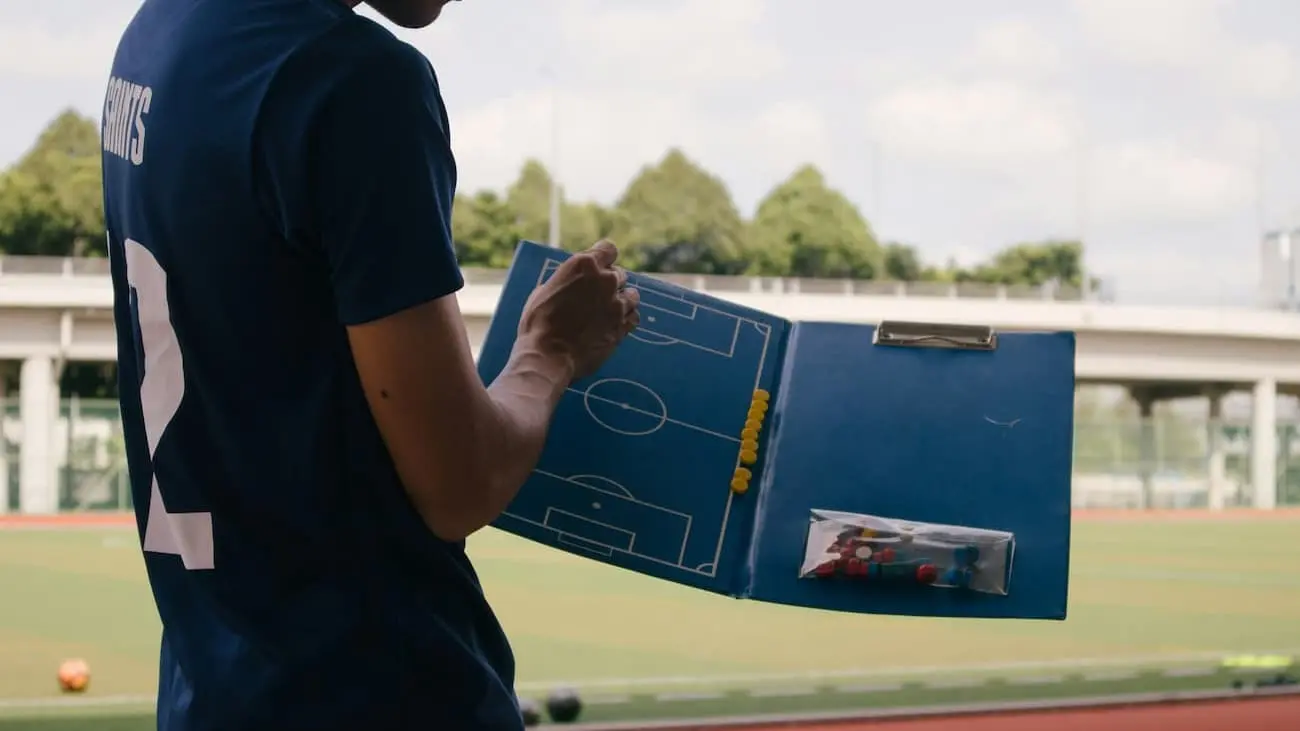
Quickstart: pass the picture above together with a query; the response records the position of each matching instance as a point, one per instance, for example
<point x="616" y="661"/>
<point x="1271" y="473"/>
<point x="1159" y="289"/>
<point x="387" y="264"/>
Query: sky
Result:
<point x="1161" y="132"/>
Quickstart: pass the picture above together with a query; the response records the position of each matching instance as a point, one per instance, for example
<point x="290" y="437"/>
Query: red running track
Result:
<point x="1255" y="714"/>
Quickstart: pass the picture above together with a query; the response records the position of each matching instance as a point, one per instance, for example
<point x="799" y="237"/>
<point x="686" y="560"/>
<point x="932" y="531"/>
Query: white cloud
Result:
<point x="1155" y="32"/>
<point x="1189" y="36"/>
<point x="1033" y="141"/>
<point x="989" y="125"/>
<point x="36" y="53"/>
<point x="787" y="134"/>
<point x="605" y="138"/>
<point x="691" y="42"/>
<point x="1159" y="180"/>
<point x="649" y="73"/>
<point x="1175" y="274"/>
<point x="1142" y="183"/>
<point x="1015" y="48"/>
<point x="1262" y="70"/>
<point x="979" y="127"/>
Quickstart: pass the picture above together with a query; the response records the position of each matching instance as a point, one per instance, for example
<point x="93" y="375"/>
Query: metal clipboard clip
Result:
<point x="935" y="335"/>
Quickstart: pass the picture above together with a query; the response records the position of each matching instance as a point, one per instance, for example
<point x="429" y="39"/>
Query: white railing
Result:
<point x="48" y="266"/>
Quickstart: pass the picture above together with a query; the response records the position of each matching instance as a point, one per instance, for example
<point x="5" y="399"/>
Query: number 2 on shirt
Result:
<point x="188" y="535"/>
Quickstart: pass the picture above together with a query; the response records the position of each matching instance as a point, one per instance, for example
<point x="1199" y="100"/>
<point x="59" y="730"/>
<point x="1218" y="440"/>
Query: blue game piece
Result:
<point x="959" y="577"/>
<point x="966" y="555"/>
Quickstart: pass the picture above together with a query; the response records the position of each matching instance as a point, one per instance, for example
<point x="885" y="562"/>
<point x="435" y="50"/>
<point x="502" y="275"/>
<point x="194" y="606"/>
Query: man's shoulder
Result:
<point x="358" y="48"/>
<point x="321" y="35"/>
<point x="354" y="63"/>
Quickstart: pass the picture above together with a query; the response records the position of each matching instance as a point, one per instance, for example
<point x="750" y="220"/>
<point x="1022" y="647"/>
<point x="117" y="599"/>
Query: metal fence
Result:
<point x="1111" y="467"/>
<point x="90" y="459"/>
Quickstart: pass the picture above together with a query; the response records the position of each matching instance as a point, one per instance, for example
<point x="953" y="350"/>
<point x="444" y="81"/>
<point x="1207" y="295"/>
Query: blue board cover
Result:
<point x="637" y="469"/>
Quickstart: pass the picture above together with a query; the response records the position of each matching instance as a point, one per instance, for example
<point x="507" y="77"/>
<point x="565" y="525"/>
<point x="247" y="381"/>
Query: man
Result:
<point x="308" y="440"/>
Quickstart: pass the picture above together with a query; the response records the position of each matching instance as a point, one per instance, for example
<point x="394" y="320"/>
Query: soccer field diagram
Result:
<point x="641" y="455"/>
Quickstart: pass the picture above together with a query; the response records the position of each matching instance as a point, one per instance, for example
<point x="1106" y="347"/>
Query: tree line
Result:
<point x="673" y="217"/>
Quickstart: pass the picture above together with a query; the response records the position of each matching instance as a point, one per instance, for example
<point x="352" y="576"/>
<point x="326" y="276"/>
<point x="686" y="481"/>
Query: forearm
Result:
<point x="523" y="399"/>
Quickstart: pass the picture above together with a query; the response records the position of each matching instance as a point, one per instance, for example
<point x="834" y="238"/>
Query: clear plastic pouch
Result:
<point x="879" y="550"/>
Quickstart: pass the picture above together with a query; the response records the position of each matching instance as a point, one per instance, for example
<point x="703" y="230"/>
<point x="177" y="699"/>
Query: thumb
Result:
<point x="605" y="253"/>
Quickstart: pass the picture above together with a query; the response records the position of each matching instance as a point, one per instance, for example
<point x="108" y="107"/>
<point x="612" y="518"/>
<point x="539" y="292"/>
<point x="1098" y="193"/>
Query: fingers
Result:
<point x="605" y="253"/>
<point x="630" y="323"/>
<point x="631" y="299"/>
<point x="597" y="261"/>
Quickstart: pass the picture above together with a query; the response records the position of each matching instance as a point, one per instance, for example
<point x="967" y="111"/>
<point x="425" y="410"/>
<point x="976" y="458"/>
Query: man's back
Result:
<point x="297" y="586"/>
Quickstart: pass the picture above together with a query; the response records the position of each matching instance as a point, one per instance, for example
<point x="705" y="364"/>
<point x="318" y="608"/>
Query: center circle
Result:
<point x="625" y="407"/>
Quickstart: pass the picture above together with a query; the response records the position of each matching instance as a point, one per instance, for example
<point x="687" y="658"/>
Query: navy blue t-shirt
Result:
<point x="275" y="170"/>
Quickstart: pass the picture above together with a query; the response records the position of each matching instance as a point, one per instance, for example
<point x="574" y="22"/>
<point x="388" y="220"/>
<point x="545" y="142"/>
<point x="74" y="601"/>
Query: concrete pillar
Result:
<point x="1218" y="482"/>
<point x="1263" y="445"/>
<point x="1146" y="445"/>
<point x="38" y="401"/>
<point x="4" y="444"/>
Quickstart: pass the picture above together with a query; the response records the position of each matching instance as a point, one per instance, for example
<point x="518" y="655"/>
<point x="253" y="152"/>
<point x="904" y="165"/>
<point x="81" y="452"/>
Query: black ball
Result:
<point x="529" y="710"/>
<point x="564" y="706"/>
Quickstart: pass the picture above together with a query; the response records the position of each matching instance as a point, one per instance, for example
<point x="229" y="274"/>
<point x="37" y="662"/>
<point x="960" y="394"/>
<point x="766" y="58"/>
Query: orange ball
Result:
<point x="74" y="675"/>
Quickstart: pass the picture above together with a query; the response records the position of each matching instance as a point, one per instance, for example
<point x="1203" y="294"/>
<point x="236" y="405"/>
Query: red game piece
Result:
<point x="886" y="555"/>
<point x="926" y="573"/>
<point x="825" y="568"/>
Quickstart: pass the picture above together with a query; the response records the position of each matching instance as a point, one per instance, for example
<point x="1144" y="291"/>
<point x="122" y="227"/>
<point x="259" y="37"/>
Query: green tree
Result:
<point x="1033" y="264"/>
<point x="484" y="229"/>
<point x="51" y="200"/>
<point x="677" y="217"/>
<point x="903" y="263"/>
<point x="530" y="199"/>
<point x="583" y="224"/>
<point x="804" y="228"/>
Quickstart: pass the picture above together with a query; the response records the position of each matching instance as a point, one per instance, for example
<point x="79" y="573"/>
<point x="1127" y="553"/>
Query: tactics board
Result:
<point x="706" y="447"/>
<point x="641" y="454"/>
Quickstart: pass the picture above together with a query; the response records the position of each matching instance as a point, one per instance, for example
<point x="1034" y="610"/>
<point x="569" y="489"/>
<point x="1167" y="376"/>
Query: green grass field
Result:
<point x="1151" y="595"/>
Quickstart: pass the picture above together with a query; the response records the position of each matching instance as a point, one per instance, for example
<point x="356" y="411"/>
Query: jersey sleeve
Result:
<point x="373" y="179"/>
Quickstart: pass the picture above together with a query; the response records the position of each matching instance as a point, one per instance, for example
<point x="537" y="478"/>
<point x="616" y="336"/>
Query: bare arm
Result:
<point x="378" y="214"/>
<point x="462" y="450"/>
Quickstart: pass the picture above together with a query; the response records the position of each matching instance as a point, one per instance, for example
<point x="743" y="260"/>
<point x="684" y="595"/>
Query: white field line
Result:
<point x="1189" y="672"/>
<point x="1104" y="677"/>
<point x="1155" y="662"/>
<point x="68" y="528"/>
<point x="90" y="701"/>
<point x="938" y="711"/>
<point x="632" y="683"/>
